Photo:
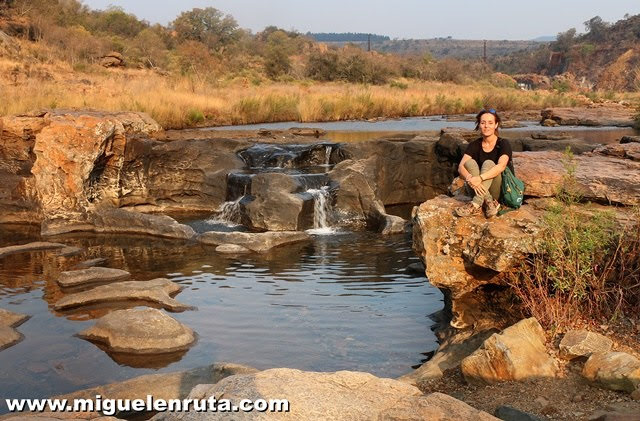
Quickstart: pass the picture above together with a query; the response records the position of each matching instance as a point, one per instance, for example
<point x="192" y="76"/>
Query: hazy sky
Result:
<point x="488" y="19"/>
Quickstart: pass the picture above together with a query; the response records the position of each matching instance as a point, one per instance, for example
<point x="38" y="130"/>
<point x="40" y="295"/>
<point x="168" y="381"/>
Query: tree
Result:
<point x="596" y="28"/>
<point x="565" y="40"/>
<point x="208" y="26"/>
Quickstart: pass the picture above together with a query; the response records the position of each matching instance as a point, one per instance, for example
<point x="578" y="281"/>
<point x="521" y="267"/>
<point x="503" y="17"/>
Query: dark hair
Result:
<point x="491" y="111"/>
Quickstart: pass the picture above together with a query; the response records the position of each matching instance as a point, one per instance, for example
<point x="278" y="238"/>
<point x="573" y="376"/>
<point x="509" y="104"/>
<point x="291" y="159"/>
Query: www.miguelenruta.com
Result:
<point x="150" y="404"/>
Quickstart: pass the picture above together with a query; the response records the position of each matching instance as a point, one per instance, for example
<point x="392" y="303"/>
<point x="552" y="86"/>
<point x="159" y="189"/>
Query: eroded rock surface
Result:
<point x="610" y="115"/>
<point x="275" y="206"/>
<point x="582" y="343"/>
<point x="256" y="242"/>
<point x="140" y="331"/>
<point x="342" y="395"/>
<point x="157" y="291"/>
<point x="613" y="370"/>
<point x="29" y="247"/>
<point x="8" y="321"/>
<point x="120" y="221"/>
<point x="91" y="276"/>
<point x="518" y="353"/>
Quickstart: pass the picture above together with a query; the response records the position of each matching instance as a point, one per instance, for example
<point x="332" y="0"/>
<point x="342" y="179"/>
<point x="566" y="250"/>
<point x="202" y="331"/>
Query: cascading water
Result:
<point x="327" y="158"/>
<point x="229" y="214"/>
<point x="321" y="209"/>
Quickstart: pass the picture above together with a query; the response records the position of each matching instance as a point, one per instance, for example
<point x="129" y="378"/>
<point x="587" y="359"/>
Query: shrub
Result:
<point x="585" y="267"/>
<point x="195" y="116"/>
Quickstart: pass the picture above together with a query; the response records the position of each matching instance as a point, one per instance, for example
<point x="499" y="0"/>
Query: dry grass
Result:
<point x="173" y="101"/>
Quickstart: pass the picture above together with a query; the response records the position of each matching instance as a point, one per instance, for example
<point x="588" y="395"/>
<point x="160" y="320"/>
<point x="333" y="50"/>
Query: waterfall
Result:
<point x="321" y="209"/>
<point x="327" y="158"/>
<point x="228" y="214"/>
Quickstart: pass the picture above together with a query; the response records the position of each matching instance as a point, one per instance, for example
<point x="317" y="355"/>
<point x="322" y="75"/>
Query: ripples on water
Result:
<point x="339" y="302"/>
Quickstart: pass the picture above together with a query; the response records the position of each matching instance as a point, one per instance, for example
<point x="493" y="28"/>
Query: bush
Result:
<point x="585" y="267"/>
<point x="195" y="116"/>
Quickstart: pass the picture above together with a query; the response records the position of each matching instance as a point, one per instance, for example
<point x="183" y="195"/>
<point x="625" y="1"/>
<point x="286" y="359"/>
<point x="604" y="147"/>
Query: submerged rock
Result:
<point x="26" y="248"/>
<point x="342" y="395"/>
<point x="613" y="370"/>
<point x="140" y="331"/>
<point x="91" y="276"/>
<point x="232" y="249"/>
<point x="257" y="242"/>
<point x="582" y="343"/>
<point x="157" y="291"/>
<point x="518" y="353"/>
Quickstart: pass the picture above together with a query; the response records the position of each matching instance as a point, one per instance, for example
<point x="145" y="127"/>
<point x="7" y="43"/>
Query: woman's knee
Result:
<point x="471" y="164"/>
<point x="487" y="165"/>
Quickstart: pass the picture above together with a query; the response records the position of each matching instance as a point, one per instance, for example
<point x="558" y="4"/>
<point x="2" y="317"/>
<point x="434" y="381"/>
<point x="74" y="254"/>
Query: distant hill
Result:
<point x="454" y="48"/>
<point x="545" y="38"/>
<point x="344" y="37"/>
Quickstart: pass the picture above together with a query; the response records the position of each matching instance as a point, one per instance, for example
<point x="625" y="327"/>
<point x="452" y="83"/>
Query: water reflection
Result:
<point x="337" y="302"/>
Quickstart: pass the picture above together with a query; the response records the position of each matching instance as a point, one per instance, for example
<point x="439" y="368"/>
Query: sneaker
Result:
<point x="468" y="209"/>
<point x="491" y="208"/>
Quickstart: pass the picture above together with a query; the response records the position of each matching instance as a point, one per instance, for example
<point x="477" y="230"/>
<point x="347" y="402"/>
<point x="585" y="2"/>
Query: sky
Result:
<point x="403" y="19"/>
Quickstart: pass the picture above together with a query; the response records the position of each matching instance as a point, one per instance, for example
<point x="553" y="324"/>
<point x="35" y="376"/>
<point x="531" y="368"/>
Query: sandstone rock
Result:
<point x="113" y="59"/>
<point x="121" y="221"/>
<point x="578" y="146"/>
<point x="598" y="178"/>
<point x="392" y="225"/>
<point x="90" y="263"/>
<point x="608" y="115"/>
<point x="165" y="386"/>
<point x="622" y="150"/>
<point x="613" y="370"/>
<point x="275" y="206"/>
<point x="417" y="267"/>
<point x="582" y="343"/>
<point x="26" y="248"/>
<point x="307" y="131"/>
<point x="11" y="319"/>
<point x="451" y="145"/>
<point x="8" y="321"/>
<point x="232" y="249"/>
<point x="157" y="291"/>
<point x="70" y="251"/>
<point x="91" y="276"/>
<point x="342" y="395"/>
<point x="449" y="355"/>
<point x="510" y="124"/>
<point x="140" y="331"/>
<point x="518" y="353"/>
<point x="547" y="122"/>
<point x="257" y="242"/>
<point x="550" y="136"/>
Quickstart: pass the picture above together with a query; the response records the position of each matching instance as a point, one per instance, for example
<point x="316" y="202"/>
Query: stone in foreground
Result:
<point x="582" y="343"/>
<point x="140" y="331"/>
<point x="8" y="321"/>
<point x="157" y="291"/>
<point x="25" y="248"/>
<point x="91" y="276"/>
<point x="613" y="370"/>
<point x="518" y="353"/>
<point x="342" y="395"/>
<point x="257" y="242"/>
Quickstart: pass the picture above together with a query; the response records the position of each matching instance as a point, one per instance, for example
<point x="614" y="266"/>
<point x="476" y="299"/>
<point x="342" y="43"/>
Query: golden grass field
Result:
<point x="184" y="101"/>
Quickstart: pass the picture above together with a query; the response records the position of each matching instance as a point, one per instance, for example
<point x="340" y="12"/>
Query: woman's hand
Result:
<point x="476" y="184"/>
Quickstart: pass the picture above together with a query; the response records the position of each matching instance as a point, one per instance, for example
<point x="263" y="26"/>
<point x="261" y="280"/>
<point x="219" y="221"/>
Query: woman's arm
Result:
<point x="466" y="175"/>
<point x="495" y="171"/>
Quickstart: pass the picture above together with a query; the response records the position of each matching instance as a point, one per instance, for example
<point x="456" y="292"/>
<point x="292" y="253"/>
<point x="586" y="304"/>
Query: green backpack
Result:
<point x="512" y="190"/>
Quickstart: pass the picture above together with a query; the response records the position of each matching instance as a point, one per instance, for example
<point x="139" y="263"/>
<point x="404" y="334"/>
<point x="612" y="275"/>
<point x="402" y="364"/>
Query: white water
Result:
<point x="228" y="214"/>
<point x="327" y="158"/>
<point x="321" y="209"/>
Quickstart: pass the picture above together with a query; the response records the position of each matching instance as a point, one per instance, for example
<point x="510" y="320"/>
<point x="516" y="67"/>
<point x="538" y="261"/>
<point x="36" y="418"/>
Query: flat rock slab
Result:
<point x="613" y="370"/>
<point x="620" y="150"/>
<point x="129" y="222"/>
<point x="343" y="395"/>
<point x="518" y="353"/>
<point x="9" y="337"/>
<point x="70" y="251"/>
<point x="25" y="248"/>
<point x="91" y="276"/>
<point x="582" y="343"/>
<point x="256" y="242"/>
<point x="140" y="331"/>
<point x="157" y="291"/>
<point x="11" y="319"/>
<point x="591" y="116"/>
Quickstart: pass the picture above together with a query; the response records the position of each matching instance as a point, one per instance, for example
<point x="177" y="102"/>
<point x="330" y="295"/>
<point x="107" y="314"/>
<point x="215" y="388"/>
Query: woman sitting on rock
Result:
<point x="482" y="165"/>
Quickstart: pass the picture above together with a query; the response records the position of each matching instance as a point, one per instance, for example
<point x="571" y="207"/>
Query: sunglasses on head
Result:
<point x="490" y="111"/>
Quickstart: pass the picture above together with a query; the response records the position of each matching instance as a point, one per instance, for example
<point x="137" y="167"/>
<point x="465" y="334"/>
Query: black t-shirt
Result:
<point x="503" y="147"/>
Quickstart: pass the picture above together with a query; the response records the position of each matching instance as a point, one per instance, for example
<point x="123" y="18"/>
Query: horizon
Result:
<point x="414" y="20"/>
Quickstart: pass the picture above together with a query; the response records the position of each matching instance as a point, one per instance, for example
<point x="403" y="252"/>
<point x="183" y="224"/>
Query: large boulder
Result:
<point x="140" y="331"/>
<point x="613" y="370"/>
<point x="275" y="206"/>
<point x="518" y="353"/>
<point x="597" y="115"/>
<point x="342" y="395"/>
<point x="598" y="178"/>
<point x="463" y="254"/>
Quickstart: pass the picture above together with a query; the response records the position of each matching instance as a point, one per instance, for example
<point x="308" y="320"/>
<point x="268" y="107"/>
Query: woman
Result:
<point x="482" y="165"/>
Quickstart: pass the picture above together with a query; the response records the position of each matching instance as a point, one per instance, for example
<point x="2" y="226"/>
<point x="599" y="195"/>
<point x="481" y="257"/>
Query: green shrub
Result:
<point x="399" y="85"/>
<point x="195" y="116"/>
